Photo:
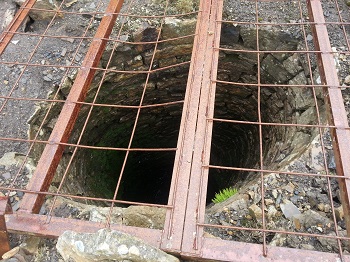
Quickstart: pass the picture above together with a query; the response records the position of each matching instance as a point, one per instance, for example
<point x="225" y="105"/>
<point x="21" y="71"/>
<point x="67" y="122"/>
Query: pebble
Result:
<point x="309" y="38"/>
<point x="289" y="187"/>
<point x="347" y="80"/>
<point x="320" y="206"/>
<point x="274" y="193"/>
<point x="271" y="212"/>
<point x="15" y="207"/>
<point x="268" y="202"/>
<point x="64" y="52"/>
<point x="339" y="213"/>
<point x="77" y="58"/>
<point x="47" y="79"/>
<point x="255" y="212"/>
<point x="6" y="175"/>
<point x="289" y="210"/>
<point x="10" y="253"/>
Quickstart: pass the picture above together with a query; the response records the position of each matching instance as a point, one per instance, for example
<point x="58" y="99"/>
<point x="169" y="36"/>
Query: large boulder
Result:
<point x="108" y="245"/>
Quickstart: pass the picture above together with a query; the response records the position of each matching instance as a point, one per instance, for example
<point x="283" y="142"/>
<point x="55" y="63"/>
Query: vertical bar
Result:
<point x="193" y="233"/>
<point x="5" y="208"/>
<point x="175" y="218"/>
<point x="53" y="151"/>
<point x="15" y="24"/>
<point x="333" y="98"/>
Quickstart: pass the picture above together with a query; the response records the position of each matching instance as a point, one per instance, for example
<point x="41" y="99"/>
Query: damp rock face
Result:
<point x="108" y="245"/>
<point x="235" y="145"/>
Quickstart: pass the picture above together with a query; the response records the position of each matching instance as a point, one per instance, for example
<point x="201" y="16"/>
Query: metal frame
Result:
<point x="184" y="224"/>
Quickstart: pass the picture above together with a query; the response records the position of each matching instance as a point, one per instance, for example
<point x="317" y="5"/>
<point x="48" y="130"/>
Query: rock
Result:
<point x="108" y="245"/>
<point x="31" y="244"/>
<point x="229" y="34"/>
<point x="174" y="28"/>
<point x="307" y="247"/>
<point x="289" y="187"/>
<point x="6" y="175"/>
<point x="347" y="80"/>
<point x="144" y="216"/>
<point x="255" y="212"/>
<point x="274" y="70"/>
<point x="240" y="204"/>
<point x="339" y="213"/>
<point x="331" y="243"/>
<point x="289" y="210"/>
<point x="268" y="201"/>
<point x="320" y="206"/>
<point x="8" y="15"/>
<point x="278" y="240"/>
<point x="312" y="218"/>
<point x="42" y="4"/>
<point x="298" y="221"/>
<point x="11" y="253"/>
<point x="271" y="212"/>
<point x="274" y="193"/>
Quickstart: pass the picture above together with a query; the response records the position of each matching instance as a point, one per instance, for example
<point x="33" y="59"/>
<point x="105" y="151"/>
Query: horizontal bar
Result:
<point x="224" y="250"/>
<point x="37" y="225"/>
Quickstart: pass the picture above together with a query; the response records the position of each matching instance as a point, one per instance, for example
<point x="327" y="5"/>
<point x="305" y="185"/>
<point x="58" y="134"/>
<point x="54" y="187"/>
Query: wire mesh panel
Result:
<point x="263" y="63"/>
<point x="106" y="135"/>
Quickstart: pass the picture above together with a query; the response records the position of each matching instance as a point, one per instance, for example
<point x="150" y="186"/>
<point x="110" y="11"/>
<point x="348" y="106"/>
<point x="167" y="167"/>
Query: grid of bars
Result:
<point x="185" y="219"/>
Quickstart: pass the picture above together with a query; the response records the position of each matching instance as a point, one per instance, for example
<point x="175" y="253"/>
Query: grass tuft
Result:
<point x="224" y="194"/>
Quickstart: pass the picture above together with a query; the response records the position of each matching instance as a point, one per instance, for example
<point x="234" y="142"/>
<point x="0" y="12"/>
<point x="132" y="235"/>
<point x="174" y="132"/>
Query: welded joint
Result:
<point x="5" y="208"/>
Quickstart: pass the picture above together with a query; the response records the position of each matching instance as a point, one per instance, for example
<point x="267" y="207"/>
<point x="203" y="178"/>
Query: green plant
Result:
<point x="224" y="194"/>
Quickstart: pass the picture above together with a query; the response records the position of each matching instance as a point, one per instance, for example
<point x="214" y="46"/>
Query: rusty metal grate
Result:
<point x="185" y="224"/>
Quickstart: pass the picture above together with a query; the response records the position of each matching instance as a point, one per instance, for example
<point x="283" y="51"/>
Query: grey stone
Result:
<point x="6" y="175"/>
<point x="271" y="212"/>
<point x="144" y="216"/>
<point x="339" y="213"/>
<point x="289" y="210"/>
<point x="8" y="15"/>
<point x="174" y="28"/>
<point x="31" y="244"/>
<point x="47" y="78"/>
<point x="278" y="240"/>
<point x="44" y="5"/>
<point x="108" y="245"/>
<point x="331" y="243"/>
<point x="347" y="80"/>
<point x="255" y="212"/>
<point x="313" y="218"/>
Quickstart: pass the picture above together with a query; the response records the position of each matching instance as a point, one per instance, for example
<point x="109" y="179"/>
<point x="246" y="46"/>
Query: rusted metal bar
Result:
<point x="333" y="98"/>
<point x="173" y="228"/>
<point x="53" y="151"/>
<point x="223" y="250"/>
<point x="199" y="175"/>
<point x="17" y="21"/>
<point x="37" y="225"/>
<point x="5" y="208"/>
